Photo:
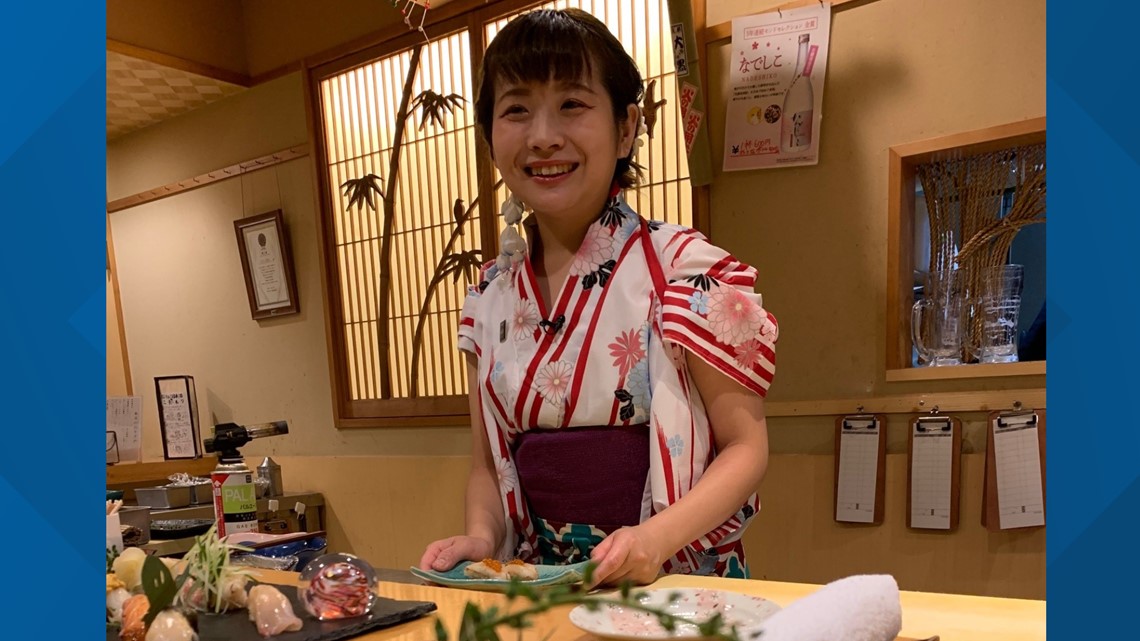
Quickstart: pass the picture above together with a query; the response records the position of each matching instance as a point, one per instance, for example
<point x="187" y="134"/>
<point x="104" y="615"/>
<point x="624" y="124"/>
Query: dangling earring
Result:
<point x="512" y="247"/>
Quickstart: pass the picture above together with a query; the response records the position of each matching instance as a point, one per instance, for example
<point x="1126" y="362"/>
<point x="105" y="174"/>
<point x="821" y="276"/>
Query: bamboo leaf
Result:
<point x="159" y="587"/>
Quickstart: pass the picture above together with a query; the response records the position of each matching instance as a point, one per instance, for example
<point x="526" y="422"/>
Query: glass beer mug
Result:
<point x="1000" y="309"/>
<point x="937" y="325"/>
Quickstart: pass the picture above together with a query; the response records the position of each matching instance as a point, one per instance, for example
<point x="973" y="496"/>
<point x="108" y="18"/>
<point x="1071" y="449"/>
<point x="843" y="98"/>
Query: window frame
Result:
<point x="902" y="160"/>
<point x="449" y="410"/>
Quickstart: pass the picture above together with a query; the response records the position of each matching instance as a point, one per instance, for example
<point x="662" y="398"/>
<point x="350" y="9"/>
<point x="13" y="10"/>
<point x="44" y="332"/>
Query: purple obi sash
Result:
<point x="588" y="475"/>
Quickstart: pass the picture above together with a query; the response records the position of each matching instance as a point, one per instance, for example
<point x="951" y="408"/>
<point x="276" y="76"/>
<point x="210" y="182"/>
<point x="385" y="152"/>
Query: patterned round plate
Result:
<point x="547" y="575"/>
<point x="697" y="605"/>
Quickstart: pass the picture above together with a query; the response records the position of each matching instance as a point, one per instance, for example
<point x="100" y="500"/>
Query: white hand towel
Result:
<point x="856" y="608"/>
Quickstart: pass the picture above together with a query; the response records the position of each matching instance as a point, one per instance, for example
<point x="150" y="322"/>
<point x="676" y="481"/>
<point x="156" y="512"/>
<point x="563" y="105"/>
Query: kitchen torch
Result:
<point x="235" y="498"/>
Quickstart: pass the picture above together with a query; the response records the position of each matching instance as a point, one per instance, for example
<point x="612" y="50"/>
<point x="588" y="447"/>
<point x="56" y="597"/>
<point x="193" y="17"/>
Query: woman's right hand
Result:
<point x="442" y="555"/>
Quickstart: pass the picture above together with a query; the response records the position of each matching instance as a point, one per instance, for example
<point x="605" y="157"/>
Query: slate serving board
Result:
<point x="236" y="626"/>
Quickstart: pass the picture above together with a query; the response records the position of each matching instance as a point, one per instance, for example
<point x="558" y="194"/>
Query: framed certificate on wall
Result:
<point x="178" y="417"/>
<point x="267" y="265"/>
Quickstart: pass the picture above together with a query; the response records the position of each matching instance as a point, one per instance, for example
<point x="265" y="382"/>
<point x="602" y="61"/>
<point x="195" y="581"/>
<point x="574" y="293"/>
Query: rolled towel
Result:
<point x="856" y="608"/>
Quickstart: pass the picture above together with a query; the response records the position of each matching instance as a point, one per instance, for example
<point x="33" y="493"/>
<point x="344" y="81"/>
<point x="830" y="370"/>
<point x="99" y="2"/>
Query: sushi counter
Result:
<point x="163" y="517"/>
<point x="173" y="541"/>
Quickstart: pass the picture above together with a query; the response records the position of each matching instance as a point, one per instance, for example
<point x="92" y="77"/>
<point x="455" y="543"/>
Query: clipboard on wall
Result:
<point x="860" y="468"/>
<point x="1014" y="495"/>
<point x="934" y="471"/>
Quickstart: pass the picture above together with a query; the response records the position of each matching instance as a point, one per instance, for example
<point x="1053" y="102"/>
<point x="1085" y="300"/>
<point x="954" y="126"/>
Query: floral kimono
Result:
<point x="610" y="352"/>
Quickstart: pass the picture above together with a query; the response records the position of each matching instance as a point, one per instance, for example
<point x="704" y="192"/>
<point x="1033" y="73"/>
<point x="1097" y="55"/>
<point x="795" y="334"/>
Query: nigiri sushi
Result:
<point x="172" y="625"/>
<point x="486" y="569"/>
<point x="271" y="611"/>
<point x="128" y="567"/>
<point x="521" y="569"/>
<point x="134" y="609"/>
<point x="115" y="600"/>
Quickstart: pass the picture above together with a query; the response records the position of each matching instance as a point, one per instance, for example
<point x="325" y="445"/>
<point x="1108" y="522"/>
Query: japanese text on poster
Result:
<point x="124" y="420"/>
<point x="176" y="398"/>
<point x="778" y="63"/>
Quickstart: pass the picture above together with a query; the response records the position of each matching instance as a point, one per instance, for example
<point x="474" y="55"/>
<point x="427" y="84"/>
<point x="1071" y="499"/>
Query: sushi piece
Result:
<point x="114" y="583"/>
<point x="521" y="570"/>
<point x="134" y="609"/>
<point x="128" y="567"/>
<point x="486" y="569"/>
<point x="271" y="611"/>
<point x="172" y="625"/>
<point x="115" y="600"/>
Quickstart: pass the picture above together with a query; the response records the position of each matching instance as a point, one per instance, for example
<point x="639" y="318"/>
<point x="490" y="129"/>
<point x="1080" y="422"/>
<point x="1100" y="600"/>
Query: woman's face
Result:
<point x="556" y="145"/>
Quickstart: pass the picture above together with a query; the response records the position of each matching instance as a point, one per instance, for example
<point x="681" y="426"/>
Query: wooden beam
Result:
<point x="972" y="370"/>
<point x="114" y="271"/>
<point x="217" y="175"/>
<point x="718" y="33"/>
<point x="156" y="472"/>
<point x="979" y="141"/>
<point x="277" y="72"/>
<point x="982" y="401"/>
<point x="900" y="260"/>
<point x="174" y="62"/>
<point x="435" y="18"/>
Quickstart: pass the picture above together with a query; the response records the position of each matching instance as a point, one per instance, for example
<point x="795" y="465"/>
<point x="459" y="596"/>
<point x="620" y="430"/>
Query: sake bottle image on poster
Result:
<point x="796" y="117"/>
<point x="773" y="115"/>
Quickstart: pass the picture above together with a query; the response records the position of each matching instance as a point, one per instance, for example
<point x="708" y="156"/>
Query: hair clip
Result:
<point x="642" y="129"/>
<point x="512" y="247"/>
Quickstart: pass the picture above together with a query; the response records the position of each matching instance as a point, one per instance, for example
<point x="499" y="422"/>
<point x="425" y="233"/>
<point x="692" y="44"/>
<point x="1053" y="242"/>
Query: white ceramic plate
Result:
<point x="697" y="605"/>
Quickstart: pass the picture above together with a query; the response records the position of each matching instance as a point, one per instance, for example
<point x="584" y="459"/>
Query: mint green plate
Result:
<point x="547" y="575"/>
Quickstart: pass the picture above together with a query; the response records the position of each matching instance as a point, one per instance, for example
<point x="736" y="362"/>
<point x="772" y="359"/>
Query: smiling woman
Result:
<point x="663" y="446"/>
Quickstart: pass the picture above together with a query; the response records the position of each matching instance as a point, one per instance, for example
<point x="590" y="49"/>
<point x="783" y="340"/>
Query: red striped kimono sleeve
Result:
<point x="711" y="308"/>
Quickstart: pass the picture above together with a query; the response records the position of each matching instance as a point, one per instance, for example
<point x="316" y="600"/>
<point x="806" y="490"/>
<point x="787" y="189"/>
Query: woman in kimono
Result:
<point x="617" y="366"/>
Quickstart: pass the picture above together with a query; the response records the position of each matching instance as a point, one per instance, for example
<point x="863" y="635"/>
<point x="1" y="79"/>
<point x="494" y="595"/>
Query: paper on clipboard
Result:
<point x="932" y="460"/>
<point x="858" y="471"/>
<point x="1016" y="448"/>
<point x="124" y="418"/>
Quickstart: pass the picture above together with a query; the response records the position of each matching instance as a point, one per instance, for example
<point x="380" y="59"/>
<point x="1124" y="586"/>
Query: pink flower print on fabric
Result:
<point x="733" y="317"/>
<point x="748" y="353"/>
<point x="769" y="330"/>
<point x="553" y="380"/>
<point x="525" y="320"/>
<point x="508" y="479"/>
<point x="597" y="248"/>
<point x="627" y="351"/>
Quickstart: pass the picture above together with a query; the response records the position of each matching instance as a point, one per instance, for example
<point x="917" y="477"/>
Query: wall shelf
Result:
<point x="1029" y="368"/>
<point x="902" y="163"/>
<point x="121" y="475"/>
<point x="914" y="403"/>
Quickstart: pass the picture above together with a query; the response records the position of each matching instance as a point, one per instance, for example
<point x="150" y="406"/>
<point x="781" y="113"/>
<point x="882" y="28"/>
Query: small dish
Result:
<point x="547" y="575"/>
<point x="746" y="612"/>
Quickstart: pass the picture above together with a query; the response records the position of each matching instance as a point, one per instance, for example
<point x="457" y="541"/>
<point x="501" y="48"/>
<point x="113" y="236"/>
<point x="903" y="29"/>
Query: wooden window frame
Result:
<point x="900" y="245"/>
<point x="469" y="15"/>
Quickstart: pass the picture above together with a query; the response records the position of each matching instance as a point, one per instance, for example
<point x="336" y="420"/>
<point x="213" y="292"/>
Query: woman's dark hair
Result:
<point x="570" y="44"/>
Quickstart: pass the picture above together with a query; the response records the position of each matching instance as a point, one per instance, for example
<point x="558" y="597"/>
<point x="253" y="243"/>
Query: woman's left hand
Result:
<point x="630" y="554"/>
